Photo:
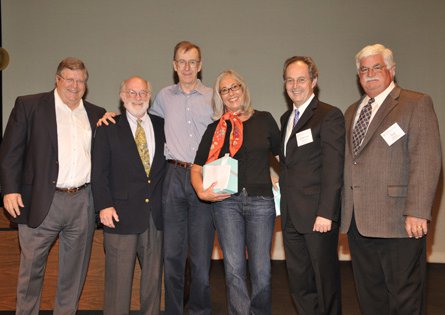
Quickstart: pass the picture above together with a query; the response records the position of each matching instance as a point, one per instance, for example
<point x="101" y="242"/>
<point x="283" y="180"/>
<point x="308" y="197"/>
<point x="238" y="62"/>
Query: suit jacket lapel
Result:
<point x="158" y="144"/>
<point x="49" y="105"/>
<point x="307" y="115"/>
<point x="127" y="142"/>
<point x="91" y="117"/>
<point x="387" y="106"/>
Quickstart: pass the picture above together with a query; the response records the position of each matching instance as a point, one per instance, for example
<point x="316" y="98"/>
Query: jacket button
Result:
<point x="147" y="200"/>
<point x="149" y="181"/>
<point x="355" y="162"/>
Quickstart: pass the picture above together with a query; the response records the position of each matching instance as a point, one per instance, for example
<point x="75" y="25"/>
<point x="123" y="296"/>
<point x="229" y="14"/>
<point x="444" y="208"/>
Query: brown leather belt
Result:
<point x="72" y="189"/>
<point x="180" y="163"/>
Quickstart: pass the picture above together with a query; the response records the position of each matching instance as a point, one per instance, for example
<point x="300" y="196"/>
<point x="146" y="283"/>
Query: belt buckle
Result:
<point x="71" y="190"/>
<point x="74" y="189"/>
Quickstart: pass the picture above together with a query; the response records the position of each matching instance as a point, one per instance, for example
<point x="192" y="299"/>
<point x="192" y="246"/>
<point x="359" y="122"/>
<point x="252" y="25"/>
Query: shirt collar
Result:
<point x="199" y="88"/>
<point x="60" y="104"/>
<point x="379" y="99"/>
<point x="134" y="119"/>
<point x="303" y="107"/>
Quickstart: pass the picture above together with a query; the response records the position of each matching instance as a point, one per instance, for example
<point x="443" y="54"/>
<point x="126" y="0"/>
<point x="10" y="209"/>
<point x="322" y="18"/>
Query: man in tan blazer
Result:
<point x="392" y="166"/>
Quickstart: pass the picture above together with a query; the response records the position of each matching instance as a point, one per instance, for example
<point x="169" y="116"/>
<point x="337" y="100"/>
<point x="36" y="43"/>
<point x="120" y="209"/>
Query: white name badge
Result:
<point x="304" y="137"/>
<point x="392" y="134"/>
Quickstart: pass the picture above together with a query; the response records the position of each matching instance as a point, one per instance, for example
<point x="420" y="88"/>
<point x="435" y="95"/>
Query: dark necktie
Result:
<point x="141" y="143"/>
<point x="361" y="126"/>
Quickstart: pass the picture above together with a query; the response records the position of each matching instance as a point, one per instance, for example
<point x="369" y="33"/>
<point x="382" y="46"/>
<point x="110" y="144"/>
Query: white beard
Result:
<point x="136" y="110"/>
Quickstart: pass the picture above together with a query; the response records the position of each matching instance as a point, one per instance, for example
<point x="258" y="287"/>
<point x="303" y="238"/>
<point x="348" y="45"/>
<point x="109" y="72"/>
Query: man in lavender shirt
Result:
<point x="188" y="226"/>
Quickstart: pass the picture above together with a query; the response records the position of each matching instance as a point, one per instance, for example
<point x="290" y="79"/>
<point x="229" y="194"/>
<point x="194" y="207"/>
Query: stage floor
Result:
<point x="281" y="301"/>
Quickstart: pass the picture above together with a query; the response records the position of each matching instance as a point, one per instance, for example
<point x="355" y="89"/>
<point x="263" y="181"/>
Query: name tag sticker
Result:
<point x="392" y="134"/>
<point x="304" y="137"/>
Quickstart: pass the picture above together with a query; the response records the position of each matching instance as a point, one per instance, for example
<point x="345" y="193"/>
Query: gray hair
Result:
<point x="376" y="49"/>
<point x="218" y="104"/>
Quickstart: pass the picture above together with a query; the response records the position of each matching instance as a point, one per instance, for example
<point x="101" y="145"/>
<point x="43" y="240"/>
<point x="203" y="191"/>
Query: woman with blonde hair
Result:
<point x="244" y="220"/>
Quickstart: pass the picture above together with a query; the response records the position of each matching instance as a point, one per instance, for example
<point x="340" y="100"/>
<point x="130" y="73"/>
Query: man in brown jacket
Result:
<point x="392" y="166"/>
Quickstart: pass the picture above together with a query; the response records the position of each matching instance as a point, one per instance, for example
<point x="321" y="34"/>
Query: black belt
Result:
<point x="180" y="163"/>
<point x="72" y="189"/>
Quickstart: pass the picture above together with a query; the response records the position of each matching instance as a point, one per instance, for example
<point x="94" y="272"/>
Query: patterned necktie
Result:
<point x="361" y="126"/>
<point x="297" y="116"/>
<point x="141" y="143"/>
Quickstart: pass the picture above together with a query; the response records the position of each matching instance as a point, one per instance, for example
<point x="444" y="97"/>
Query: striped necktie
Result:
<point x="297" y="117"/>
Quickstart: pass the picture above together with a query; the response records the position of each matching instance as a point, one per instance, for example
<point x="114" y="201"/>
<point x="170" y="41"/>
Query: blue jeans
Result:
<point x="246" y="221"/>
<point x="188" y="229"/>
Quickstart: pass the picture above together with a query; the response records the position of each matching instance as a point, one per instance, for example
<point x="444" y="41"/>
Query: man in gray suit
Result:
<point x="45" y="174"/>
<point x="392" y="166"/>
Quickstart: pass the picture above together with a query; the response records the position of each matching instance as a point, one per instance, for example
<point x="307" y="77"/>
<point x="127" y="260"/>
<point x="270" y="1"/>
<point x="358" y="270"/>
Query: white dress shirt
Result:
<point x="74" y="144"/>
<point x="378" y="100"/>
<point x="290" y="122"/>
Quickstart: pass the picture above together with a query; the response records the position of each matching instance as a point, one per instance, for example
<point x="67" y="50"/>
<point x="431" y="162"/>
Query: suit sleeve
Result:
<point x="424" y="155"/>
<point x="333" y="152"/>
<point x="100" y="172"/>
<point x="13" y="148"/>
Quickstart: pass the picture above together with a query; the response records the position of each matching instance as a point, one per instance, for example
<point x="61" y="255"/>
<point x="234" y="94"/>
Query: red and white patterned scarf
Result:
<point x="236" y="136"/>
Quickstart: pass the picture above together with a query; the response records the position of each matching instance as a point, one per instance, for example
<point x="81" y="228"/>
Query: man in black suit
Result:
<point x="45" y="165"/>
<point x="311" y="179"/>
<point x="127" y="178"/>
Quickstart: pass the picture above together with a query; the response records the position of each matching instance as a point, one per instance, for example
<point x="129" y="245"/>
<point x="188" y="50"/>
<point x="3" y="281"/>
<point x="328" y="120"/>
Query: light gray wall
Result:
<point x="117" y="39"/>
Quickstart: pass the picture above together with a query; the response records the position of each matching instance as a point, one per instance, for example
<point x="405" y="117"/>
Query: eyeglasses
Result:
<point x="233" y="88"/>
<point x="71" y="81"/>
<point x="142" y="93"/>
<point x="300" y="80"/>
<point x="376" y="68"/>
<point x="181" y="63"/>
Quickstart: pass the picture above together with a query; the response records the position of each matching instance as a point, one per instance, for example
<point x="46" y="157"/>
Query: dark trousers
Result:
<point x="389" y="273"/>
<point x="313" y="270"/>
<point x="188" y="230"/>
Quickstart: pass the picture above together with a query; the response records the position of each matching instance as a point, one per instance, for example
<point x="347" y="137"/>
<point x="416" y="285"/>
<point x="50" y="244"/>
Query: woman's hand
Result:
<point x="204" y="194"/>
<point x="275" y="181"/>
<point x="209" y="195"/>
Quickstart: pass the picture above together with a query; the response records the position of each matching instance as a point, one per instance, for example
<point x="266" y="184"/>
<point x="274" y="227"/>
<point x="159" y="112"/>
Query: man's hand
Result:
<point x="107" y="215"/>
<point x="416" y="227"/>
<point x="108" y="116"/>
<point x="322" y="225"/>
<point x="12" y="203"/>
